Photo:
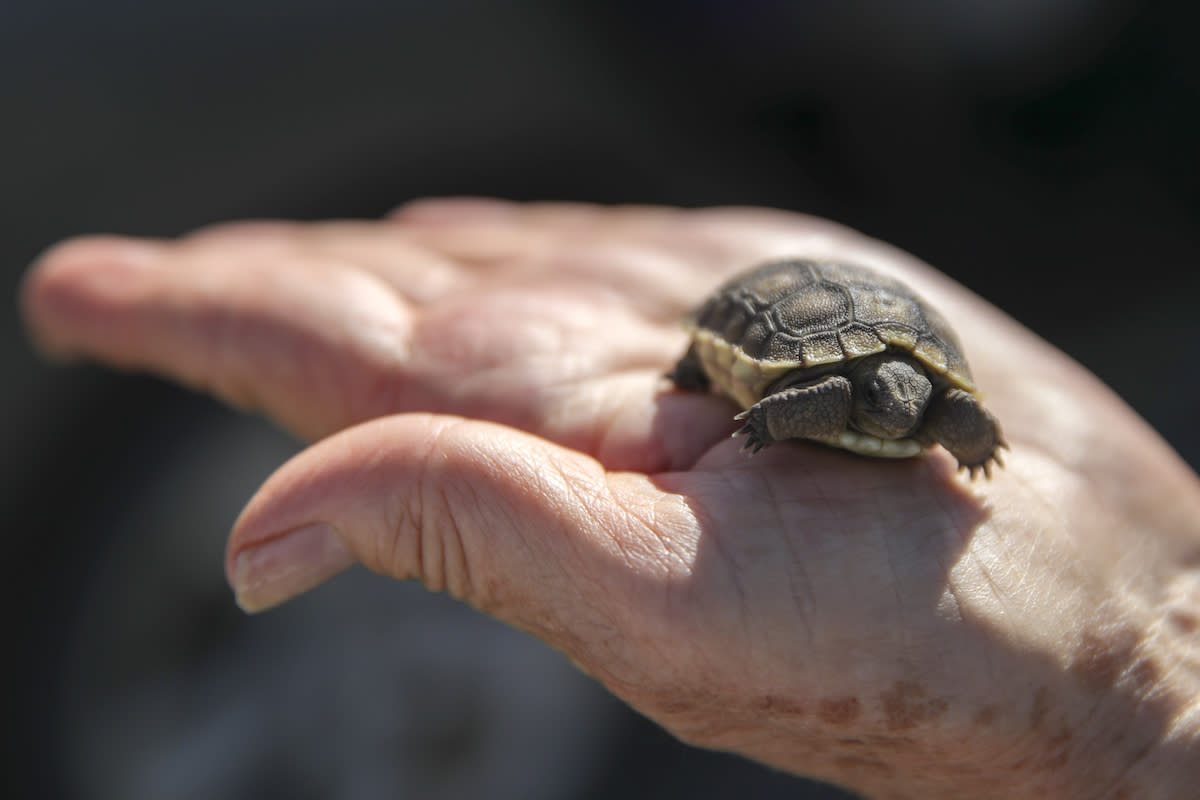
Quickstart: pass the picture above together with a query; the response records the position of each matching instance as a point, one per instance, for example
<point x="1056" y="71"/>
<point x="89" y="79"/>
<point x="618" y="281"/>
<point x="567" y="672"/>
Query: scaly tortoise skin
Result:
<point x="841" y="355"/>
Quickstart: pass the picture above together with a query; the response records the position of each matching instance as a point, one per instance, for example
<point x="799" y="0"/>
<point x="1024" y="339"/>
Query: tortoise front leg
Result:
<point x="817" y="411"/>
<point x="958" y="422"/>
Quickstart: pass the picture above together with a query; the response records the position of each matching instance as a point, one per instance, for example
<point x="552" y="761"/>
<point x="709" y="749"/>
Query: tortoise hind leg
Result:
<point x="958" y="422"/>
<point x="688" y="374"/>
<point x="817" y="411"/>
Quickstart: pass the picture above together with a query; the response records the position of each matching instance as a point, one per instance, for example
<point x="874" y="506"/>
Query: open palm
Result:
<point x="485" y="380"/>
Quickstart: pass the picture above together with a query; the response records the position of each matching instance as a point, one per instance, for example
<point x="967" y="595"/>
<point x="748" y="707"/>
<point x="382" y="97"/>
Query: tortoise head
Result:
<point x="890" y="395"/>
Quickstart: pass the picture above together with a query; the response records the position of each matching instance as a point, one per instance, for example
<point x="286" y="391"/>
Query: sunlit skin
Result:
<point x="483" y="381"/>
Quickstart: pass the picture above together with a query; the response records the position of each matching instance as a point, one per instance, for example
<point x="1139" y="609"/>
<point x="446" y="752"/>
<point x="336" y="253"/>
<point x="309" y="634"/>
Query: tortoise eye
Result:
<point x="873" y="391"/>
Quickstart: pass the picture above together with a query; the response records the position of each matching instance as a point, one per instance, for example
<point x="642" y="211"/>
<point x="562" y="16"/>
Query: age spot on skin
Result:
<point x="985" y="716"/>
<point x="907" y="705"/>
<point x="838" y="710"/>
<point x="1185" y="622"/>
<point x="784" y="706"/>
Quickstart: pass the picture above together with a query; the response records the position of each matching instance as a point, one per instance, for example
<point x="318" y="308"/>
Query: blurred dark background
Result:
<point x="1043" y="152"/>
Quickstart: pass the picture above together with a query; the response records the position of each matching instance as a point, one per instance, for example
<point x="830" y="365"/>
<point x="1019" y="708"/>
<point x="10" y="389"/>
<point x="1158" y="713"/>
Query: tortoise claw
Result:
<point x="986" y="466"/>
<point x="752" y="443"/>
<point x="754" y="440"/>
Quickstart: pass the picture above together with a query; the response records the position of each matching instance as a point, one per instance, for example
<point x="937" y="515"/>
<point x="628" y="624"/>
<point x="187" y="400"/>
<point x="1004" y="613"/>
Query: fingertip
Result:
<point x="456" y="504"/>
<point x="87" y="252"/>
<point x="320" y="510"/>
<point x="70" y="286"/>
<point x="274" y="571"/>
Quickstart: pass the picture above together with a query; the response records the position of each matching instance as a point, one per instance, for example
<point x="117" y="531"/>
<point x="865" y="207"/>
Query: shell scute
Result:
<point x="860" y="340"/>
<point x="822" y="348"/>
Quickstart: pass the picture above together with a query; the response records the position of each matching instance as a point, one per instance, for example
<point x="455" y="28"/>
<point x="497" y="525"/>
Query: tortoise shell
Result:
<point x="799" y="314"/>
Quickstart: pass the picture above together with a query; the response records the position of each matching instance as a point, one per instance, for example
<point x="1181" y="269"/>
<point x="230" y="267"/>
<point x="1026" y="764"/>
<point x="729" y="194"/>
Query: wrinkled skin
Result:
<point x="485" y="382"/>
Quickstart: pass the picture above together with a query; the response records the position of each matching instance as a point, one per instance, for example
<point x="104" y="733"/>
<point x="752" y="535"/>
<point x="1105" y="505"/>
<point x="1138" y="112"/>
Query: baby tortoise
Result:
<point x="841" y="355"/>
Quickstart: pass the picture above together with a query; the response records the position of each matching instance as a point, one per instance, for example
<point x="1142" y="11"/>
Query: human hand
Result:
<point x="487" y="378"/>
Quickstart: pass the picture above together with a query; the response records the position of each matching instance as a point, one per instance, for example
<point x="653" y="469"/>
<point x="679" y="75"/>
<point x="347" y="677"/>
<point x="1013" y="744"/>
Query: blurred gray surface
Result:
<point x="1042" y="153"/>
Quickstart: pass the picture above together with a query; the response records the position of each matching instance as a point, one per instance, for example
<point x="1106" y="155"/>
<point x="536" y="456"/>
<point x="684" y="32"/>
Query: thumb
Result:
<point x="517" y="526"/>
